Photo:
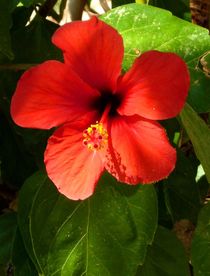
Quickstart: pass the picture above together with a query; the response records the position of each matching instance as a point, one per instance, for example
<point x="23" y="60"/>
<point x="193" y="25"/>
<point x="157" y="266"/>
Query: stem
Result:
<point x="47" y="7"/>
<point x="62" y="8"/>
<point x="200" y="11"/>
<point x="104" y="5"/>
<point x="16" y="67"/>
<point x="76" y="8"/>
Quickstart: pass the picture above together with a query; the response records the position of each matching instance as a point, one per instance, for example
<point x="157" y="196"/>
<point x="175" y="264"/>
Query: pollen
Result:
<point x="95" y="137"/>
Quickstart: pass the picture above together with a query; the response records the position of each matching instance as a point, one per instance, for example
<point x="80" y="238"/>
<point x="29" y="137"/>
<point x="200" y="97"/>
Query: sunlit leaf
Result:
<point x="106" y="234"/>
<point x="145" y="28"/>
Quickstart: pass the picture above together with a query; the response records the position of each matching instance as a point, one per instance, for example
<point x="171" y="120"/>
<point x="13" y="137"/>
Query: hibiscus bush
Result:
<point x="105" y="139"/>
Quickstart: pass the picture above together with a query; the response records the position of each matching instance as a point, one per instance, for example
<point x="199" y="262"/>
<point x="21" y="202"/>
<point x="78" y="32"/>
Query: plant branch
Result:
<point x="200" y="11"/>
<point x="16" y="67"/>
<point x="104" y="5"/>
<point x="46" y="8"/>
<point x="76" y="8"/>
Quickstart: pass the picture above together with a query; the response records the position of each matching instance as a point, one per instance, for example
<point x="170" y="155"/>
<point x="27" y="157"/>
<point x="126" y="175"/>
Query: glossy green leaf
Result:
<point x="166" y="256"/>
<point x="145" y="28"/>
<point x="200" y="252"/>
<point x="107" y="234"/>
<point x="182" y="192"/>
<point x="21" y="263"/>
<point x="199" y="134"/>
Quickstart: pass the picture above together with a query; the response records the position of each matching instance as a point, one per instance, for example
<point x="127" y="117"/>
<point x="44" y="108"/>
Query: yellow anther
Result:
<point x="95" y="137"/>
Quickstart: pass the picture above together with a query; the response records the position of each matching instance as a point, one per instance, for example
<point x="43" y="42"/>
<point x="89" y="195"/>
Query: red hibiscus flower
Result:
<point x="105" y="120"/>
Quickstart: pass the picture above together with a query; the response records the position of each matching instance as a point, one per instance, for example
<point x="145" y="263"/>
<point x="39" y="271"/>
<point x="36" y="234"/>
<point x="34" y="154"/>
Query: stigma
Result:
<point x="95" y="137"/>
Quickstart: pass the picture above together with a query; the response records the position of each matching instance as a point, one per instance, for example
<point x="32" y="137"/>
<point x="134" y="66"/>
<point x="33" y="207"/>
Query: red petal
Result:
<point x="155" y="87"/>
<point x="72" y="167"/>
<point x="49" y="95"/>
<point x="93" y="49"/>
<point x="139" y="151"/>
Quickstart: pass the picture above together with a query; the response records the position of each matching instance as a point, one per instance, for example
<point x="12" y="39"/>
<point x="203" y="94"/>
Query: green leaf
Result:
<point x="21" y="16"/>
<point x="164" y="218"/>
<point x="145" y="28"/>
<point x="103" y="235"/>
<point x="199" y="96"/>
<point x="200" y="252"/>
<point x="13" y="256"/>
<point x="182" y="192"/>
<point x="172" y="127"/>
<point x="165" y="257"/>
<point x="36" y="38"/>
<point x="22" y="265"/>
<point x="199" y="134"/>
<point x="23" y="144"/>
<point x="8" y="226"/>
<point x="5" y="24"/>
<point x="21" y="150"/>
<point x="16" y="163"/>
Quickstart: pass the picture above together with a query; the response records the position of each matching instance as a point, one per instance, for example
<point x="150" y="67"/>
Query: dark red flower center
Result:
<point x="95" y="137"/>
<point x="108" y="99"/>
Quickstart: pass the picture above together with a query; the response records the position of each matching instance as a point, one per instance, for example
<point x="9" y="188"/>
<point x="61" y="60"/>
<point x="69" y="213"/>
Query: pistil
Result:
<point x="96" y="135"/>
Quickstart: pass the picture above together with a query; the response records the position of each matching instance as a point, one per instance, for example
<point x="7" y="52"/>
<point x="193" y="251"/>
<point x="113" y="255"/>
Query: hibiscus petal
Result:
<point x="49" y="95"/>
<point x="72" y="167"/>
<point x="155" y="87"/>
<point x="93" y="49"/>
<point x="139" y="151"/>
